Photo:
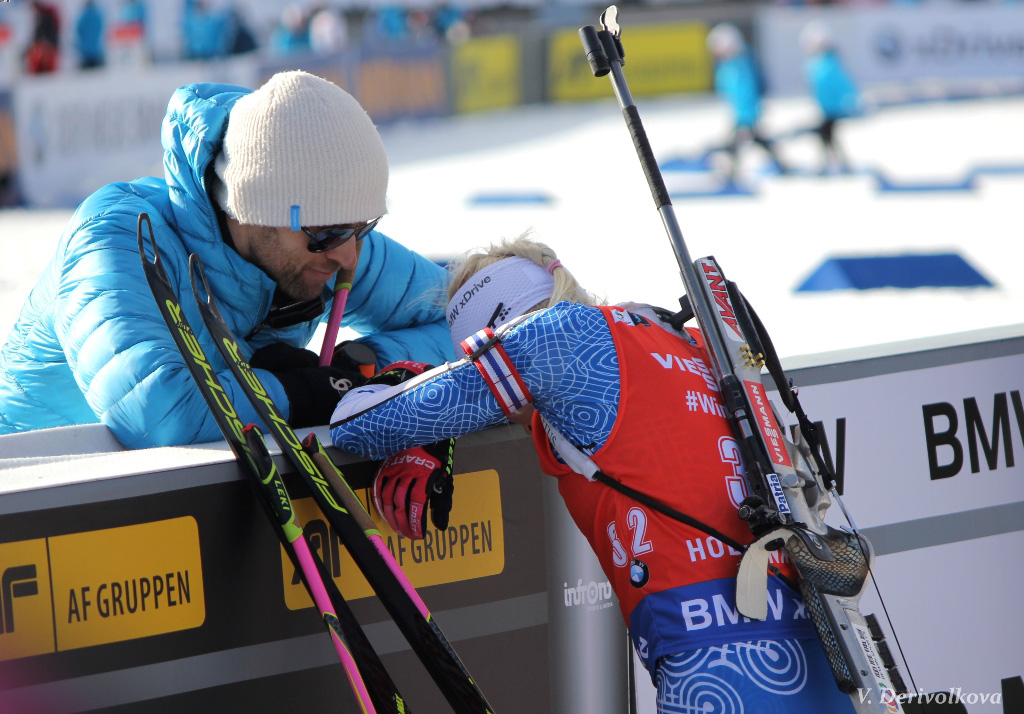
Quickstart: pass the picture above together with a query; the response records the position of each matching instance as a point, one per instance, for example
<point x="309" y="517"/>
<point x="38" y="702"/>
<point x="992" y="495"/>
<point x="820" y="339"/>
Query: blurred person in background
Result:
<point x="833" y="89"/>
<point x="277" y="191"/>
<point x="204" y="31"/>
<point x="89" y="36"/>
<point x="290" y="35"/>
<point x="388" y="23"/>
<point x="739" y="82"/>
<point x="128" y="43"/>
<point x="43" y="52"/>
<point x="451" y="23"/>
<point x="133" y="12"/>
<point x="328" y="31"/>
<point x="239" y="38"/>
<point x="8" y="52"/>
<point x="590" y="383"/>
<point x="422" y="31"/>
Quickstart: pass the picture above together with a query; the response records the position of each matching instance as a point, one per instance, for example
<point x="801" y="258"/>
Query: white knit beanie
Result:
<point x="300" y="140"/>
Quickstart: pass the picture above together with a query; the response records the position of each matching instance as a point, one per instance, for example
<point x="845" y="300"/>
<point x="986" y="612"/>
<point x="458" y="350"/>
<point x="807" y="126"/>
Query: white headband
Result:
<point x="496" y="294"/>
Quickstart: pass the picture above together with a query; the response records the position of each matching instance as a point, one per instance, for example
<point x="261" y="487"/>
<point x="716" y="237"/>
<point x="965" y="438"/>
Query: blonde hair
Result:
<point x="566" y="287"/>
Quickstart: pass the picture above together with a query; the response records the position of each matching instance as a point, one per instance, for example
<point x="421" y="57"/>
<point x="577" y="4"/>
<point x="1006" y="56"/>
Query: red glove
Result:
<point x="398" y="372"/>
<point x="410" y="481"/>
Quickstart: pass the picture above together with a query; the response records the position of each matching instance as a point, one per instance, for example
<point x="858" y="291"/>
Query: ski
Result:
<point x="789" y="481"/>
<point x="361" y="664"/>
<point x="370" y="553"/>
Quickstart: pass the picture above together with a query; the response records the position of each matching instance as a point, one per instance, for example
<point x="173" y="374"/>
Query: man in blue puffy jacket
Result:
<point x="277" y="190"/>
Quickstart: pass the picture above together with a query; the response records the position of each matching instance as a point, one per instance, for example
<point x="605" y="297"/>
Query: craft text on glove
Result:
<point x="412" y="482"/>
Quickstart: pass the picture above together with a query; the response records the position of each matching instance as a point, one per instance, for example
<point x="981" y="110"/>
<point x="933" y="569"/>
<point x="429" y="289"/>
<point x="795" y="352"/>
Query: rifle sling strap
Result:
<point x="664" y="509"/>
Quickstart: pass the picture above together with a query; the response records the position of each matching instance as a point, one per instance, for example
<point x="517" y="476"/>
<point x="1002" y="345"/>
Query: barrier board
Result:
<point x="150" y="581"/>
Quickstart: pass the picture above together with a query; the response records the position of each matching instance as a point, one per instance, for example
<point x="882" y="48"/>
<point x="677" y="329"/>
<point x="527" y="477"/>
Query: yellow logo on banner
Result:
<point x="26" y="615"/>
<point x="107" y="586"/>
<point x="473" y="545"/>
<point x="123" y="583"/>
<point x="485" y="73"/>
<point x="660" y="59"/>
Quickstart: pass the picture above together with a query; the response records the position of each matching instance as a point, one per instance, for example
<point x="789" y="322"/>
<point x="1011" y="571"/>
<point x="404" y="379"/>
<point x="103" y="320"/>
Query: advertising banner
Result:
<point x="953" y="440"/>
<point x="486" y="73"/>
<point x="166" y="586"/>
<point x="473" y="545"/>
<point x="101" y="586"/>
<point x="389" y="82"/>
<point x="662" y="59"/>
<point x="893" y="43"/>
<point x="402" y="84"/>
<point x="587" y="638"/>
<point x="76" y="133"/>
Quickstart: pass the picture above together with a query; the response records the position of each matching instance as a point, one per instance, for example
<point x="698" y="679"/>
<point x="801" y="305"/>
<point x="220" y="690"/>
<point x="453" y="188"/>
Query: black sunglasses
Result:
<point x="331" y="237"/>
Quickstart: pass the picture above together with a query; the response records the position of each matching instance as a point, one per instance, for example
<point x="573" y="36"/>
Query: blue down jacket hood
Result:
<point x="90" y="345"/>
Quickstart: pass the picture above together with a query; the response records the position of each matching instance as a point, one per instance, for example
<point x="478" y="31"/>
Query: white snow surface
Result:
<point x="603" y="223"/>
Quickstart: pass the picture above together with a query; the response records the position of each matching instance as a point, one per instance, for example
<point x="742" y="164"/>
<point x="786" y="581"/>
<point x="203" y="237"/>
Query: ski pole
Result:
<point x="341" y="290"/>
<point x="376" y="562"/>
<point x="255" y="462"/>
<point x="314" y="574"/>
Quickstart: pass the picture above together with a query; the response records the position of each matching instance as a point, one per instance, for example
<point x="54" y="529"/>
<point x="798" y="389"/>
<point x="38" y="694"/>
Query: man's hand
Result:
<point x="313" y="391"/>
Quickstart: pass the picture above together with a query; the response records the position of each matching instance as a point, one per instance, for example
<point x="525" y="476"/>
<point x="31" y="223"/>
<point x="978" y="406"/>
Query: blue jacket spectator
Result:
<point x="90" y="345"/>
<point x="832" y="86"/>
<point x="132" y="11"/>
<point x="89" y="36"/>
<point x="205" y="32"/>
<point x="291" y="35"/>
<point x="391" y="23"/>
<point x="834" y="91"/>
<point x="132" y="21"/>
<point x="239" y="38"/>
<point x="738" y="80"/>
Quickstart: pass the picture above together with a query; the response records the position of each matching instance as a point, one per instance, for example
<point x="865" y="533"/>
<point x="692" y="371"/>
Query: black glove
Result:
<point x="355" y="357"/>
<point x="313" y="392"/>
<point x="280" y="356"/>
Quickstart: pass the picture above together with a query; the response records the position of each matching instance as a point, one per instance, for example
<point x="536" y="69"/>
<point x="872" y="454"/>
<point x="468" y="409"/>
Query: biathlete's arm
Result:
<point x="564" y="355"/>
<point x="445" y="402"/>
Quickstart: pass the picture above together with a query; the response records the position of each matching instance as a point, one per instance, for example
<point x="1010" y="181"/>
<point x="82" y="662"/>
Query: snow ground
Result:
<point x="601" y="219"/>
